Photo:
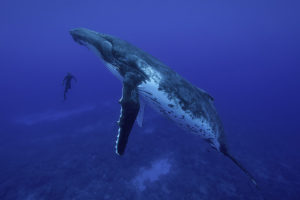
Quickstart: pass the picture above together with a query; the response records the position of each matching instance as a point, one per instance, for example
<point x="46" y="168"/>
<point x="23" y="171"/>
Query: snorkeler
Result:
<point x="67" y="83"/>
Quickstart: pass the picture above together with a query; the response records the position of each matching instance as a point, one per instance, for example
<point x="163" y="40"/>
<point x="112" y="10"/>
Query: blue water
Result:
<point x="244" y="53"/>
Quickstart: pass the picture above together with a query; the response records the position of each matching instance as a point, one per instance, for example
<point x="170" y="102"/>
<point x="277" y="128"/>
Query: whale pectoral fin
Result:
<point x="129" y="110"/>
<point x="140" y="116"/>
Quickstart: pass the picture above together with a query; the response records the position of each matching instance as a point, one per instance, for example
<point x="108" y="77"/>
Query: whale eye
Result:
<point x="107" y="46"/>
<point x="106" y="50"/>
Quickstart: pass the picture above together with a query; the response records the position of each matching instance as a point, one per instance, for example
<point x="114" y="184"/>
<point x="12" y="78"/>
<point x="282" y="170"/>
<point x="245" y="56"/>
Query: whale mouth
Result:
<point x="81" y="42"/>
<point x="78" y="40"/>
<point x="78" y="37"/>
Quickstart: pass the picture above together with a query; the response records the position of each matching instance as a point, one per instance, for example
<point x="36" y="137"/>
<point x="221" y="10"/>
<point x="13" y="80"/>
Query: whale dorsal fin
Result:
<point x="129" y="110"/>
<point x="140" y="116"/>
<point x="206" y="94"/>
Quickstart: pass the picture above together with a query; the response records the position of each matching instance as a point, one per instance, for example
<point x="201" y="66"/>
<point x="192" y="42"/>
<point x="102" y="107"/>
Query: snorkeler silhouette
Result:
<point x="67" y="83"/>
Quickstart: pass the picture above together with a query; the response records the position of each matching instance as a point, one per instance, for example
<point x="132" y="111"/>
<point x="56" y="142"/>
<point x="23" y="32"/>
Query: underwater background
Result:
<point x="246" y="54"/>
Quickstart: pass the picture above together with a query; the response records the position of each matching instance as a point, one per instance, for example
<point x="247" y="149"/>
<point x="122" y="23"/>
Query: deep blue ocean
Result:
<point x="246" y="54"/>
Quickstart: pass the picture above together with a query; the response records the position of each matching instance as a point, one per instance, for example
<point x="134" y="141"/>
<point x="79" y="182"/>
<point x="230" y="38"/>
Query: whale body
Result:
<point x="145" y="77"/>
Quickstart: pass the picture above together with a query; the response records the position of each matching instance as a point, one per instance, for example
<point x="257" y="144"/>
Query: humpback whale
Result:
<point x="146" y="79"/>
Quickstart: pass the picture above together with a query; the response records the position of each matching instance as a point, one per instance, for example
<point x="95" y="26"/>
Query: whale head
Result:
<point x="118" y="55"/>
<point x="96" y="41"/>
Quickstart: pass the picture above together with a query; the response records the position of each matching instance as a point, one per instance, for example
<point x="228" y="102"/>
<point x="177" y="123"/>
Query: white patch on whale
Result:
<point x="159" y="101"/>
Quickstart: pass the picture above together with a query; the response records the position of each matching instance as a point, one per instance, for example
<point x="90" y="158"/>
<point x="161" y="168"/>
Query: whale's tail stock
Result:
<point x="224" y="150"/>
